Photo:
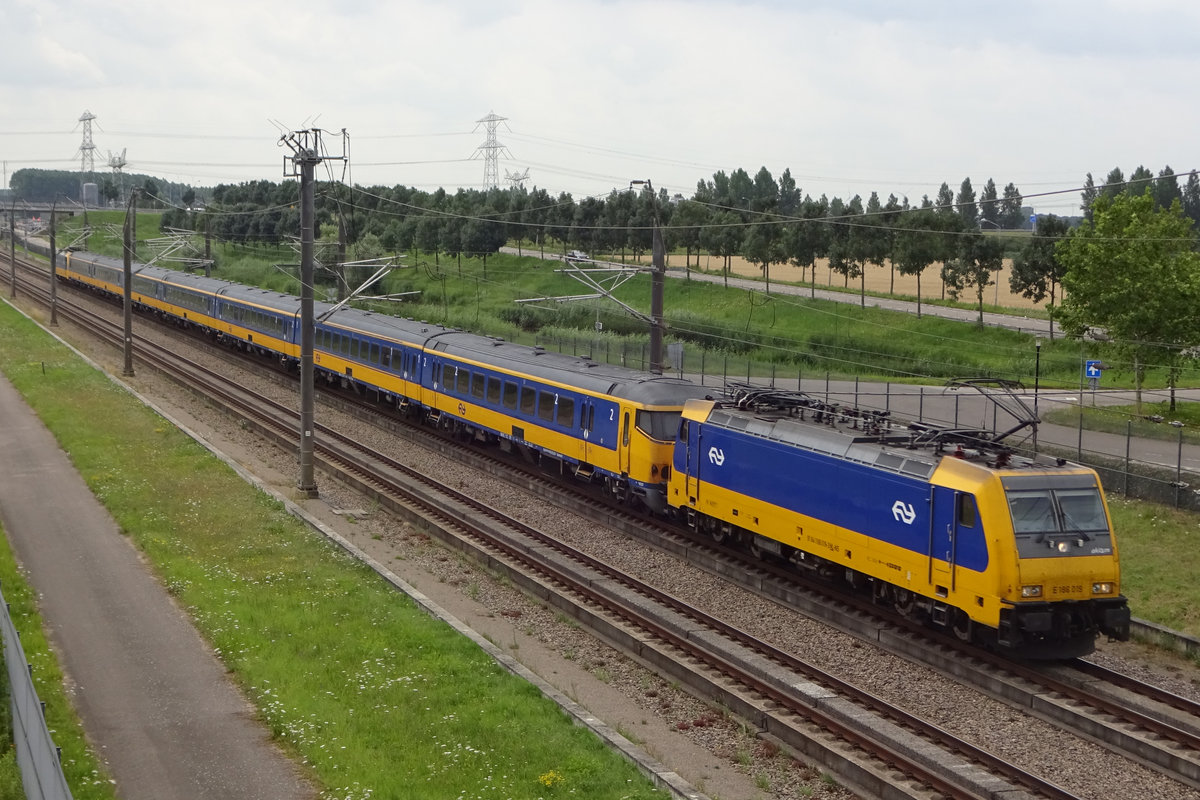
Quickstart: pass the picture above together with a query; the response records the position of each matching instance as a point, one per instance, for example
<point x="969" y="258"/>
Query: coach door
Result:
<point x="587" y="426"/>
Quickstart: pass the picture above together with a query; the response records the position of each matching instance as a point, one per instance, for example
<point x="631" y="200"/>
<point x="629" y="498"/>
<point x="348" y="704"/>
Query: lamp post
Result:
<point x="1037" y="374"/>
<point x="657" y="279"/>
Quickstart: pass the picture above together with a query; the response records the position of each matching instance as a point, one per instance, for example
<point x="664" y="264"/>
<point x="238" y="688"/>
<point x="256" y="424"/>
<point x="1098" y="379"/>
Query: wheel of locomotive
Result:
<point x="756" y="548"/>
<point x="964" y="626"/>
<point x="905" y="603"/>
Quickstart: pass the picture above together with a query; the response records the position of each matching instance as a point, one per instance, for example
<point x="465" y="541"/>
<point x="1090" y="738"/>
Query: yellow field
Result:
<point x="878" y="279"/>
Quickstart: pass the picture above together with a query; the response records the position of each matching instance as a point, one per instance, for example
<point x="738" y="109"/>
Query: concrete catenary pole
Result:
<point x="130" y="210"/>
<point x="53" y="265"/>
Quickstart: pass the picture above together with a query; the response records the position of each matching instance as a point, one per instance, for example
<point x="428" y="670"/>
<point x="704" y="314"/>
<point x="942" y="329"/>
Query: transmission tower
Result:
<point x="86" y="155"/>
<point x="516" y="179"/>
<point x="117" y="164"/>
<point x="490" y="150"/>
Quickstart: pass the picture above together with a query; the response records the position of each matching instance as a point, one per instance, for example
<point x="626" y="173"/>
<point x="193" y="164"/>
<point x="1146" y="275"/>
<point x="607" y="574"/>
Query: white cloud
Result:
<point x="852" y="97"/>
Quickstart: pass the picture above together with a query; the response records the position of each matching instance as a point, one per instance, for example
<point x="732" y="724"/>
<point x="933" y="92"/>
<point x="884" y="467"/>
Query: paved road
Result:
<point x="153" y="698"/>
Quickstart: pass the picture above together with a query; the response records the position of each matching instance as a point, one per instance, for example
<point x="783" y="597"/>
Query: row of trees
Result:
<point x="764" y="220"/>
<point x="66" y="186"/>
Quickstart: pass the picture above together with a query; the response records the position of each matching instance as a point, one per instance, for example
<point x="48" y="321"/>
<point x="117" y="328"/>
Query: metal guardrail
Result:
<point x="37" y="755"/>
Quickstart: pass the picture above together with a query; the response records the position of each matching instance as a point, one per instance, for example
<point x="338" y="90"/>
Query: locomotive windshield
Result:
<point x="660" y="425"/>
<point x="1044" y="511"/>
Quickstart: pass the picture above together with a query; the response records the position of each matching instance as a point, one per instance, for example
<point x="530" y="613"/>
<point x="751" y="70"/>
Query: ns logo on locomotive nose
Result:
<point x="716" y="455"/>
<point x="904" y="512"/>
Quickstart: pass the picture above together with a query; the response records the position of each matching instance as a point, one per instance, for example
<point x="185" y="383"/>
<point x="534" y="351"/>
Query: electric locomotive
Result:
<point x="943" y="524"/>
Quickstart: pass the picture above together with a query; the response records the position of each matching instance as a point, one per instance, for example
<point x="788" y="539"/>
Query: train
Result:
<point x="945" y="525"/>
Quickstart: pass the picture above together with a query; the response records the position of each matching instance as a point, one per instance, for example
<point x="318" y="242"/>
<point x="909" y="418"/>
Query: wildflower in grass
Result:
<point x="551" y="779"/>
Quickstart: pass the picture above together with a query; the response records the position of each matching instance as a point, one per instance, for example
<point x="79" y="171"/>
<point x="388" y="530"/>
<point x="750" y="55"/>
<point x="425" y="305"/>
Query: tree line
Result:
<point x="765" y="220"/>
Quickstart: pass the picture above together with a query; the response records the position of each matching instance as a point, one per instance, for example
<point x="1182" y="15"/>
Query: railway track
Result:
<point x="791" y="700"/>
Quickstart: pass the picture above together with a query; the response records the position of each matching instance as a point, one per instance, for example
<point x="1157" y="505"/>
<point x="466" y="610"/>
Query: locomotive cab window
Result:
<point x="967" y="512"/>
<point x="1057" y="511"/>
<point x="1081" y="510"/>
<point x="660" y="425"/>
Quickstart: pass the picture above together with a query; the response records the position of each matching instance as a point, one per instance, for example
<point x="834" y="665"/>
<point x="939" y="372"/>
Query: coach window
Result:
<point x="464" y="381"/>
<point x="385" y="357"/>
<point x="528" y="400"/>
<point x="493" y="391"/>
<point x="967" y="512"/>
<point x="346" y="342"/>
<point x="546" y="406"/>
<point x="478" y="384"/>
<point x="566" y="411"/>
<point x="511" y="392"/>
<point x="436" y="374"/>
<point x="374" y="353"/>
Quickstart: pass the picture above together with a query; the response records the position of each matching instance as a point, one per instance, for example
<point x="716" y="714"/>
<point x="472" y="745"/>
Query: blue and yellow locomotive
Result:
<point x="939" y="523"/>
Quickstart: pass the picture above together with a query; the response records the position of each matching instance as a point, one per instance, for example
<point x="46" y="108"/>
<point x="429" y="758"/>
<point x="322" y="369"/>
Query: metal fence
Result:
<point x="37" y="755"/>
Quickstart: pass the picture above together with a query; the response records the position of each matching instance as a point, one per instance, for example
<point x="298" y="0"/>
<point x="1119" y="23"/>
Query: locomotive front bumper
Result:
<point x="1068" y="623"/>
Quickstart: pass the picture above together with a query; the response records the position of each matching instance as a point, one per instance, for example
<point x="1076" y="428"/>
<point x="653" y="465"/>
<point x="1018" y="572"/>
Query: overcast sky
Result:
<point x="853" y="97"/>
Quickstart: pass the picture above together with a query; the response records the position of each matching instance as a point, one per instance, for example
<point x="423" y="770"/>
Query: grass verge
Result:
<point x="369" y="693"/>
<point x="1125" y="420"/>
<point x="1160" y="558"/>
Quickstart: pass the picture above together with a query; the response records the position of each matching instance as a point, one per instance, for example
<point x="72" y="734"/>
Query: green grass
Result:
<point x="1125" y="420"/>
<point x="724" y="330"/>
<point x="1160" y="558"/>
<point x="373" y="696"/>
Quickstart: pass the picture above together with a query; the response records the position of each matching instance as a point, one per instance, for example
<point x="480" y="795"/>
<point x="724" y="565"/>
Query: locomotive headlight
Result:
<point x="1102" y="587"/>
<point x="1064" y="547"/>
<point x="1031" y="591"/>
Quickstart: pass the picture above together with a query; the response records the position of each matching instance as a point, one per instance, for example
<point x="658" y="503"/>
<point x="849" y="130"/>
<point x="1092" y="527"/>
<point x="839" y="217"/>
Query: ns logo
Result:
<point x="716" y="455"/>
<point x="903" y="512"/>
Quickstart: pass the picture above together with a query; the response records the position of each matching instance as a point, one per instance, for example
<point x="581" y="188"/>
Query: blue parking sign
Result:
<point x="1092" y="369"/>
